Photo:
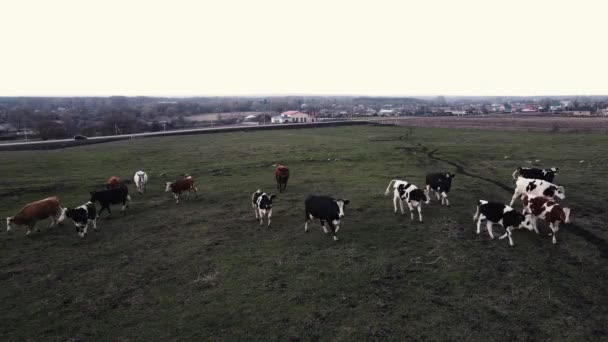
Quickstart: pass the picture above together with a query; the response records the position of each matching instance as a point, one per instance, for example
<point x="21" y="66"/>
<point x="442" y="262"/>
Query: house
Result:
<point x="386" y="112"/>
<point x="292" y="116"/>
<point x="581" y="112"/>
<point x="7" y="128"/>
<point x="528" y="108"/>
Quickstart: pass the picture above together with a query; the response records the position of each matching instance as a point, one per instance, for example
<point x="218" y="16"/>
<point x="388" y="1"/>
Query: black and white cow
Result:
<point x="408" y="192"/>
<point x="535" y="188"/>
<point x="440" y="183"/>
<point x="83" y="217"/>
<point x="502" y="214"/>
<point x="327" y="210"/>
<point x="534" y="173"/>
<point x="262" y="206"/>
<point x="111" y="196"/>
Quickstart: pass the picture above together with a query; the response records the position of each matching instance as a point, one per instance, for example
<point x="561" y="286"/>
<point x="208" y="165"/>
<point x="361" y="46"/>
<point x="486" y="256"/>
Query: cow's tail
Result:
<point x="61" y="214"/>
<point x="567" y="214"/>
<point x="479" y="203"/>
<point x="516" y="173"/>
<point x="388" y="188"/>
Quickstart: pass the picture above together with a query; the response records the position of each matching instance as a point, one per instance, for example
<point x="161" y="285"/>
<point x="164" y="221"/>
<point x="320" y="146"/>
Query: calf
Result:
<point x="111" y="196"/>
<point x="440" y="183"/>
<point x="281" y="174"/>
<point x="112" y="182"/>
<point x="181" y="185"/>
<point x="140" y="178"/>
<point x="408" y="192"/>
<point x="534" y="173"/>
<point x="262" y="206"/>
<point x="537" y="187"/>
<point x="502" y="214"/>
<point x="545" y="209"/>
<point x="327" y="210"/>
<point x="83" y="217"/>
<point x="36" y="211"/>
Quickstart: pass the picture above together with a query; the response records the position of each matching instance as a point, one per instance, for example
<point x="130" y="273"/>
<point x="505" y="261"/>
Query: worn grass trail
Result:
<point x="204" y="269"/>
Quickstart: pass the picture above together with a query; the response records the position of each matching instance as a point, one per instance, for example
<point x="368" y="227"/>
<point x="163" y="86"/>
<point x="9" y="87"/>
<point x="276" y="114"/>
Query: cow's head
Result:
<point x="555" y="192"/>
<point x="450" y="175"/>
<point x="341" y="206"/>
<point x="9" y="224"/>
<point x="168" y="186"/>
<point x="93" y="196"/>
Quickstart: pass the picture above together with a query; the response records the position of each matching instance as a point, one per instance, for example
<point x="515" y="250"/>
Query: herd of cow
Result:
<point x="533" y="186"/>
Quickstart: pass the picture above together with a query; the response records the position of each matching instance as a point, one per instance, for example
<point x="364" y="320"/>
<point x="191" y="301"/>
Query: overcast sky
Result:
<point x="379" y="47"/>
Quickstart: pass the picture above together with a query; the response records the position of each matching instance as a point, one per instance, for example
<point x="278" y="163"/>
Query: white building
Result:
<point x="292" y="116"/>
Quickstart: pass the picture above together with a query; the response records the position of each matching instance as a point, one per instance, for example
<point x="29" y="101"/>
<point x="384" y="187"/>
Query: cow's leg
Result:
<point x="481" y="217"/>
<point x="307" y="218"/>
<point x="30" y="227"/>
<point x="420" y="212"/>
<point x="195" y="191"/>
<point x="438" y="196"/>
<point x="489" y="227"/>
<point x="176" y="196"/>
<point x="269" y="217"/>
<point x="324" y="226"/>
<point x="108" y="209"/>
<point x="52" y="222"/>
<point x="445" y="198"/>
<point x="427" y="191"/>
<point x="534" y="226"/>
<point x="515" y="195"/>
<point x="554" y="227"/>
<point x="401" y="205"/>
<point x="255" y="211"/>
<point x="93" y="223"/>
<point x="262" y="214"/>
<point x="510" y="232"/>
<point x="409" y="205"/>
<point x="333" y="229"/>
<point x="395" y="198"/>
<point x="86" y="228"/>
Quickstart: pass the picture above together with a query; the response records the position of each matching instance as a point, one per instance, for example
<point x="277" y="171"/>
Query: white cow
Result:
<point x="535" y="188"/>
<point x="140" y="179"/>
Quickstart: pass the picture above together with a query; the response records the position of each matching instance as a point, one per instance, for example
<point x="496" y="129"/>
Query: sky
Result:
<point x="312" y="47"/>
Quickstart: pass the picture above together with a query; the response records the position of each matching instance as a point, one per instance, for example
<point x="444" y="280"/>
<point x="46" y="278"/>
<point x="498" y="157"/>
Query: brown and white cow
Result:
<point x="36" y="211"/>
<point x="181" y="185"/>
<point x="113" y="182"/>
<point x="281" y="174"/>
<point x="546" y="209"/>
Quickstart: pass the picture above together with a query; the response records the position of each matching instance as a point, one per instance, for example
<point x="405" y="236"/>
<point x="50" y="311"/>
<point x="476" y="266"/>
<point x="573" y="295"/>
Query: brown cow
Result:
<point x="36" y="211"/>
<point x="545" y="209"/>
<point x="113" y="182"/>
<point x="181" y="185"/>
<point x="281" y="174"/>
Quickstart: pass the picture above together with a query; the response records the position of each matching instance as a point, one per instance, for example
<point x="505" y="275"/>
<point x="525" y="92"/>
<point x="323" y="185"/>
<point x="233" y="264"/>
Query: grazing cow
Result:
<point x="545" y="209"/>
<point x="534" y="173"/>
<point x="325" y="209"/>
<point x="36" y="211"/>
<point x="440" y="183"/>
<point x="181" y="185"/>
<point x="111" y="196"/>
<point x="281" y="174"/>
<point x="535" y="188"/>
<point x="502" y="214"/>
<point x="262" y="206"/>
<point x="113" y="182"/>
<point x="83" y="217"/>
<point x="141" y="179"/>
<point x="408" y="192"/>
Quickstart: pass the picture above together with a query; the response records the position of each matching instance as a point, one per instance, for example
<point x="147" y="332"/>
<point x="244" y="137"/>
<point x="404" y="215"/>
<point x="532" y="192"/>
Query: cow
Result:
<point x="113" y="182"/>
<point x="440" y="183"/>
<point x="534" y="173"/>
<point x="408" y="192"/>
<point x="327" y="210"/>
<point x="36" y="211"/>
<point x="83" y="217"/>
<point x="281" y="174"/>
<point x="262" y="205"/>
<point x="183" y="184"/>
<point x="111" y="196"/>
<point x="141" y="179"/>
<point x="537" y="187"/>
<point x="502" y="214"/>
<point x="545" y="209"/>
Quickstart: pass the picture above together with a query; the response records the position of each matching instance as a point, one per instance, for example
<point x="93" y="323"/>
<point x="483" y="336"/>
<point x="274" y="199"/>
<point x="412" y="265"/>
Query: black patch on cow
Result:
<point x="550" y="191"/>
<point x="417" y="195"/>
<point x="531" y="186"/>
<point x="263" y="201"/>
<point x="440" y="182"/>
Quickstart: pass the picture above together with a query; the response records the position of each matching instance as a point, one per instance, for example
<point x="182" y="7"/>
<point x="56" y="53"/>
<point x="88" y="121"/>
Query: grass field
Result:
<point x="205" y="270"/>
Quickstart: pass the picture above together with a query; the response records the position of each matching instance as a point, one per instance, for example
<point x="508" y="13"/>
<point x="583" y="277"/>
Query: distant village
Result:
<point x="60" y="118"/>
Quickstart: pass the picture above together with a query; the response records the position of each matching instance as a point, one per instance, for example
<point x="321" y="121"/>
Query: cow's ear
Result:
<point x="272" y="196"/>
<point x="346" y="201"/>
<point x="92" y="193"/>
<point x="453" y="175"/>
